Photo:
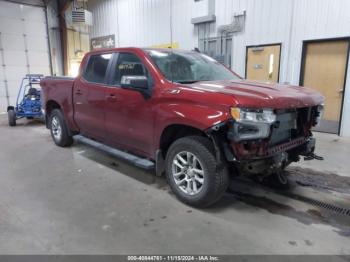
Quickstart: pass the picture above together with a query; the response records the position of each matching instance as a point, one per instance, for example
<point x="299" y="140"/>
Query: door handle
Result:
<point x="340" y="90"/>
<point x="111" y="97"/>
<point x="78" y="92"/>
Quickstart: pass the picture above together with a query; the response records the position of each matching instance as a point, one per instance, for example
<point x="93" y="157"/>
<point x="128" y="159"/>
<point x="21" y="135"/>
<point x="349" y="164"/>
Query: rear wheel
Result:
<point x="59" y="129"/>
<point x="11" y="117"/>
<point x="193" y="173"/>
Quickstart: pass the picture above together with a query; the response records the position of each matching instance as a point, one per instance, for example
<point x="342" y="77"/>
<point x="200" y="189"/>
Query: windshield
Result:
<point x="189" y="67"/>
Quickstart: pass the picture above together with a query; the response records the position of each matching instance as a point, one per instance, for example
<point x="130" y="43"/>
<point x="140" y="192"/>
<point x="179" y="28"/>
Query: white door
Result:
<point x="23" y="47"/>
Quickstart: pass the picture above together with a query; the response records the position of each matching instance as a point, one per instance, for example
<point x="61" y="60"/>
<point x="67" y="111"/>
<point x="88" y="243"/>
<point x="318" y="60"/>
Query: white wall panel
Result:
<point x="35" y="29"/>
<point x="38" y="44"/>
<point x="14" y="58"/>
<point x="183" y="31"/>
<point x="10" y="10"/>
<point x="45" y="70"/>
<point x="13" y="73"/>
<point x="144" y="23"/>
<point x="10" y="25"/>
<point x="32" y="14"/>
<point x="37" y="59"/>
<point x="12" y="42"/>
<point x="266" y="22"/>
<point x="22" y="28"/>
<point x="3" y="100"/>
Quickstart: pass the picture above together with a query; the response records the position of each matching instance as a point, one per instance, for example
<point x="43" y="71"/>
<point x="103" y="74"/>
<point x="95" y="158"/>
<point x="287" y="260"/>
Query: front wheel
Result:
<point x="11" y="117"/>
<point x="59" y="129"/>
<point x="192" y="172"/>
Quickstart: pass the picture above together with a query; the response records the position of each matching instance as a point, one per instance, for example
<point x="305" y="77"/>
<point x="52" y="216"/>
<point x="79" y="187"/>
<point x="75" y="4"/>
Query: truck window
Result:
<point x="97" y="67"/>
<point x="189" y="67"/>
<point x="128" y="64"/>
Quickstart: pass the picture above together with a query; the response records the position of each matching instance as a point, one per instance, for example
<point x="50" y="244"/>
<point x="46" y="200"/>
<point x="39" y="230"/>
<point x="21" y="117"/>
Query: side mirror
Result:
<point x="137" y="82"/>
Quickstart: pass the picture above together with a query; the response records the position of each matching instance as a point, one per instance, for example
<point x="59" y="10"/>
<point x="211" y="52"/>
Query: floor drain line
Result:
<point x="314" y="202"/>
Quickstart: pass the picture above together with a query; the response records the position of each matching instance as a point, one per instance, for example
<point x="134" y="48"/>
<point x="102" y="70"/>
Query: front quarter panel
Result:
<point x="200" y="111"/>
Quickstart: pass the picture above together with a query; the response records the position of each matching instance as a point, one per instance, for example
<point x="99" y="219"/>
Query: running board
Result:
<point x="137" y="161"/>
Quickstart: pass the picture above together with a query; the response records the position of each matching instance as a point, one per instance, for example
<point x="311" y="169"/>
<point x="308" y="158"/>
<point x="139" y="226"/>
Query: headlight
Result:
<point x="319" y="112"/>
<point x="251" y="123"/>
<point x="253" y="115"/>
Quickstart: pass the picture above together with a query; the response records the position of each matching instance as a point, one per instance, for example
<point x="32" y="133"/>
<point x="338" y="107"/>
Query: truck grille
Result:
<point x="282" y="130"/>
<point x="289" y="125"/>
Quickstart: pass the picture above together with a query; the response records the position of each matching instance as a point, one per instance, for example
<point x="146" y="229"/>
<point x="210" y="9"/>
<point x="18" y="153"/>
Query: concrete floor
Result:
<point x="80" y="201"/>
<point x="335" y="150"/>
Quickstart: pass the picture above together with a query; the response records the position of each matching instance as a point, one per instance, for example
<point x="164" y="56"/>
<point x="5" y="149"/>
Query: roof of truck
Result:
<point x="116" y="49"/>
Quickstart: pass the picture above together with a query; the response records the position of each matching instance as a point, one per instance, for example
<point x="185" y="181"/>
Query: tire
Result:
<point x="11" y="117"/>
<point x="278" y="180"/>
<point x="201" y="189"/>
<point x="59" y="130"/>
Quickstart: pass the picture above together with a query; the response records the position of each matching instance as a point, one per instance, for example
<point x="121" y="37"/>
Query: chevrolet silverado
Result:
<point x="186" y="115"/>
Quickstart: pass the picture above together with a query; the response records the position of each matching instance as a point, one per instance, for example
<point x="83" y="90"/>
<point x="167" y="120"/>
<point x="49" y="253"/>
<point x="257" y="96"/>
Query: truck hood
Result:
<point x="262" y="94"/>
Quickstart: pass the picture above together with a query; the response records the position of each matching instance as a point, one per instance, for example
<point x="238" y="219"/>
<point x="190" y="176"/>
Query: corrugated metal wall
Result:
<point x="147" y="22"/>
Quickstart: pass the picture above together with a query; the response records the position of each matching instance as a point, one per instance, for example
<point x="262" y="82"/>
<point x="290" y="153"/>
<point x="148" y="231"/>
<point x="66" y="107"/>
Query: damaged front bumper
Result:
<point x="262" y="155"/>
<point x="302" y="146"/>
<point x="277" y="157"/>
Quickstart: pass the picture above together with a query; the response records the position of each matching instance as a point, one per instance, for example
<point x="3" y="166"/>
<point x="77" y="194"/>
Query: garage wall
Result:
<point x="144" y="23"/>
<point x="287" y="22"/>
<point x="330" y="20"/>
<point x="290" y="23"/>
<point x="23" y="47"/>
<point x="147" y="22"/>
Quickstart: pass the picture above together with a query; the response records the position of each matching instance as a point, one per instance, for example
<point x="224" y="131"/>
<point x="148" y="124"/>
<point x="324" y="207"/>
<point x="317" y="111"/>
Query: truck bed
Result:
<point x="59" y="90"/>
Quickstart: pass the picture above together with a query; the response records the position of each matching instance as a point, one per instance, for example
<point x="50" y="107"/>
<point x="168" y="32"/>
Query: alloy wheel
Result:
<point x="56" y="128"/>
<point x="188" y="173"/>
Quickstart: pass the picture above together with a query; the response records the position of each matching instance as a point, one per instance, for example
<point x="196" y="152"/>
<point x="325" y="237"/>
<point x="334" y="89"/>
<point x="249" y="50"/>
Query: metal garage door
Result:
<point x="23" y="47"/>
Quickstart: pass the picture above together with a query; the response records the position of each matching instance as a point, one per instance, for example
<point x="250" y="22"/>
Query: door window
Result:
<point x="130" y="65"/>
<point x="97" y="67"/>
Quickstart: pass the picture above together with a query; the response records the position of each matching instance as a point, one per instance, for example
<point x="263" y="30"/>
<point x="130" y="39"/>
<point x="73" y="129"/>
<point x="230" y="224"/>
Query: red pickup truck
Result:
<point x="184" y="114"/>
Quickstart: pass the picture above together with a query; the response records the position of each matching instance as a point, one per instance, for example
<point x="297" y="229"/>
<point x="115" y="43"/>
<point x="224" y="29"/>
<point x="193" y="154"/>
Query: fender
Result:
<point x="197" y="116"/>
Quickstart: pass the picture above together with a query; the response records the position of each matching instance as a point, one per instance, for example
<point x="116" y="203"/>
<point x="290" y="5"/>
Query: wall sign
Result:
<point x="107" y="41"/>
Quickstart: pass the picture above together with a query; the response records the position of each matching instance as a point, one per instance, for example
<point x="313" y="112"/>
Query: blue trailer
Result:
<point x="28" y="103"/>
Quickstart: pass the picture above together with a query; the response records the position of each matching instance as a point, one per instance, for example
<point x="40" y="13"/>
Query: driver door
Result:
<point x="129" y="118"/>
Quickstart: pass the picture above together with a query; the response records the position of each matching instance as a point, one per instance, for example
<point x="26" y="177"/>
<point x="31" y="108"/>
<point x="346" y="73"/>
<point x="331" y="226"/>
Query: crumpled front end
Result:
<point x="263" y="141"/>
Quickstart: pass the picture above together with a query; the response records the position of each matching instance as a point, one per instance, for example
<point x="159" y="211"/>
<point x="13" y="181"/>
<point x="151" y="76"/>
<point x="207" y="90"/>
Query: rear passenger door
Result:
<point x="89" y="96"/>
<point x="129" y="117"/>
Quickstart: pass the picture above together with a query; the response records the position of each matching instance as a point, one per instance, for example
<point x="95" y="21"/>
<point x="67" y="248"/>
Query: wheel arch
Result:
<point x="173" y="132"/>
<point x="49" y="107"/>
<point x="170" y="134"/>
